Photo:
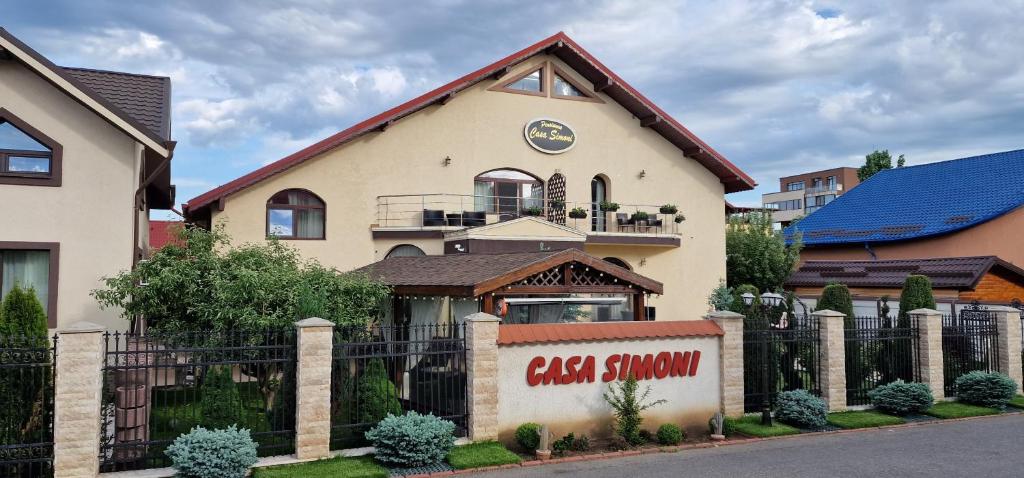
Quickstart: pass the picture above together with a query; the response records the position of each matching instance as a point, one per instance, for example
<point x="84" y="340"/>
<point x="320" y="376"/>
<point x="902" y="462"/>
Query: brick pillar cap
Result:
<point x="724" y="314"/>
<point x="314" y="322"/>
<point x="482" y="317"/>
<point x="925" y="312"/>
<point x="82" y="327"/>
<point x="827" y="313"/>
<point x="1001" y="308"/>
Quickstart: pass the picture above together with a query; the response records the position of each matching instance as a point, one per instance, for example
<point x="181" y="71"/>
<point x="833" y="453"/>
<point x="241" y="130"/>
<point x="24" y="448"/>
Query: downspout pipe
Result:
<point x="867" y="247"/>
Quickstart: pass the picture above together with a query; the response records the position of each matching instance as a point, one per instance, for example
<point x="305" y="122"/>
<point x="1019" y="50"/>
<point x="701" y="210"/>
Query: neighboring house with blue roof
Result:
<point x="963" y="207"/>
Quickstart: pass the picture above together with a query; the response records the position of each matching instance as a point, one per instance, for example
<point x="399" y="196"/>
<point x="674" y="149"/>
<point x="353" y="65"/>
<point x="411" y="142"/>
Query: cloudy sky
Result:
<point x="779" y="87"/>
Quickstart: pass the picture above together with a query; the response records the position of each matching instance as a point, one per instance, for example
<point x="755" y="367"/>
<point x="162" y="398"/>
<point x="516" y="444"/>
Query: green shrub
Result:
<point x="203" y="453"/>
<point x="627" y="405"/>
<point x="801" y="408"/>
<point x="916" y="294"/>
<point x="581" y="443"/>
<point x="23" y="325"/>
<point x="571" y="442"/>
<point x="221" y="403"/>
<point x="728" y="426"/>
<point x="669" y="434"/>
<point x="378" y="397"/>
<point x="988" y="389"/>
<point x="22" y="315"/>
<point x="902" y="398"/>
<point x="837" y="297"/>
<point x="528" y="436"/>
<point x="412" y="439"/>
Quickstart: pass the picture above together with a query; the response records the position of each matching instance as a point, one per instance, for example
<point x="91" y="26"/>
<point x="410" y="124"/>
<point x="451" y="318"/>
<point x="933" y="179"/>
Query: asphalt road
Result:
<point x="979" y="448"/>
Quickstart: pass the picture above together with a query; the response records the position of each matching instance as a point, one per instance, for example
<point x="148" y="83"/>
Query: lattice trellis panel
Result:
<point x="584" y="276"/>
<point x="550" y="277"/>
<point x="556" y="199"/>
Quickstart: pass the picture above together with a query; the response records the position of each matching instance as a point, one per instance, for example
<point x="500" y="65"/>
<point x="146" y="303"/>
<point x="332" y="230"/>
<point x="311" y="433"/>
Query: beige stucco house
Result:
<point x="547" y="134"/>
<point x="84" y="156"/>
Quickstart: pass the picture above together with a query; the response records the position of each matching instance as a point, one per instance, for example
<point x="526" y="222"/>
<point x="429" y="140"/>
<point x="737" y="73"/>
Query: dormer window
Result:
<point x="27" y="156"/>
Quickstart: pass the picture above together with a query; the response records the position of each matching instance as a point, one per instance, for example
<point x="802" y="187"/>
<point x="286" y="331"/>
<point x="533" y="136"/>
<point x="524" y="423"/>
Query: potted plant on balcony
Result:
<point x="608" y="206"/>
<point x="556" y="204"/>
<point x="640" y="216"/>
<point x="679" y="218"/>
<point x="532" y="211"/>
<point x="578" y="213"/>
<point x="668" y="209"/>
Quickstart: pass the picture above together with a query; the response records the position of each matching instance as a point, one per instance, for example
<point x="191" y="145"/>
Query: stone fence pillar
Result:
<point x="730" y="361"/>
<point x="314" y="345"/>
<point x="482" y="375"/>
<point x="832" y="330"/>
<point x="929" y="348"/>
<point x="78" y="391"/>
<point x="1008" y="322"/>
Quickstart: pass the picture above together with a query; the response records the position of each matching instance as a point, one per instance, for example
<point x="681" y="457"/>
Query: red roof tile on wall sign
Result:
<point x="589" y="332"/>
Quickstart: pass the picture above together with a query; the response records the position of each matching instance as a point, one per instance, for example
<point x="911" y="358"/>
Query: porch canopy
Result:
<point x="493" y="276"/>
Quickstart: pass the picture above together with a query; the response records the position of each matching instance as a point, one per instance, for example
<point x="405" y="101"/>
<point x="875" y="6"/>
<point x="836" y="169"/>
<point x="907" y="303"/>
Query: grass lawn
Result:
<point x="338" y="467"/>
<point x="481" y="454"/>
<point x="1017" y="401"/>
<point x="862" y="419"/>
<point x="751" y="425"/>
<point x="959" y="410"/>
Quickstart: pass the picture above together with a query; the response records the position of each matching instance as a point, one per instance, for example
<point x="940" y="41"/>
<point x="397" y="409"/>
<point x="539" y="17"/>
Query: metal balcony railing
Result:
<point x="456" y="211"/>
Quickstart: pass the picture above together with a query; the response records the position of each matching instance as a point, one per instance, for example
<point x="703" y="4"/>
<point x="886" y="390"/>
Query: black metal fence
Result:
<point x="26" y="406"/>
<point x="779" y="355"/>
<point x="969" y="342"/>
<point x="160" y="385"/>
<point x="879" y="351"/>
<point x="393" y="369"/>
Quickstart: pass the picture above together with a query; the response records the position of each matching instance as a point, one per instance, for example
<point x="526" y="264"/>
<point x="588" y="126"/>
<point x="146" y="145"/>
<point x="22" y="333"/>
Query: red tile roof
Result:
<point x="560" y="45"/>
<point x="162" y="233"/>
<point x="589" y="332"/>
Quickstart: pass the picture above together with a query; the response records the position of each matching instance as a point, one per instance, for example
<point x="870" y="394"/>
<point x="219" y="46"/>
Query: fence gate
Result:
<point x="879" y="351"/>
<point x="779" y="356"/>
<point x="26" y="406"/>
<point x="160" y="385"/>
<point x="394" y="369"/>
<point x="969" y="342"/>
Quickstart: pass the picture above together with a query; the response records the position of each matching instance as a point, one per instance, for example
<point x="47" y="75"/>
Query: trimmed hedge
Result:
<point x="988" y="389"/>
<point x="669" y="434"/>
<point x="837" y="297"/>
<point x="801" y="408"/>
<point x="917" y="294"/>
<point x="902" y="398"/>
<point x="528" y="436"/>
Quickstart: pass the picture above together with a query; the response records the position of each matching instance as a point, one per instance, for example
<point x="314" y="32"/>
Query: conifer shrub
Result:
<point x="528" y="436"/>
<point x="203" y="453"/>
<point x="837" y="297"/>
<point x="412" y="439"/>
<point x="627" y="404"/>
<point x="916" y="294"/>
<point x="987" y="389"/>
<point x="669" y="434"/>
<point x="221" y="404"/>
<point x="378" y="397"/>
<point x="902" y="398"/>
<point x="22" y="395"/>
<point x="801" y="409"/>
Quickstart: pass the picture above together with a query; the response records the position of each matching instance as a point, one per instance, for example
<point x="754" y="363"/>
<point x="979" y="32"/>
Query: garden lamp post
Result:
<point x="770" y="300"/>
<point x="748" y="299"/>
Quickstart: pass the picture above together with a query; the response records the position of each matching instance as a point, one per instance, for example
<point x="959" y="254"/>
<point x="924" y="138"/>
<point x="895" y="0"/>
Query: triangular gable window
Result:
<point x="531" y="82"/>
<point x="564" y="88"/>
<point x="27" y="156"/>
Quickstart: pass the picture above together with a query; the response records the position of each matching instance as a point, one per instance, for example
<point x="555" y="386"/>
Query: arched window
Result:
<point x="598" y="195"/>
<point x="405" y="250"/>
<point x="507" y="192"/>
<point x="619" y="262"/>
<point x="27" y="156"/>
<point x="295" y="214"/>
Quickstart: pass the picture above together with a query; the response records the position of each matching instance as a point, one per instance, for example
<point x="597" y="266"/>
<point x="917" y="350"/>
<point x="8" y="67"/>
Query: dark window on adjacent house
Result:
<point x="296" y="214"/>
<point x="27" y="156"/>
<point x="795" y="186"/>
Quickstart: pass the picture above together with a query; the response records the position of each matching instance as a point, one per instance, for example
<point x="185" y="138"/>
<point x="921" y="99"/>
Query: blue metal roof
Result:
<point x="919" y="201"/>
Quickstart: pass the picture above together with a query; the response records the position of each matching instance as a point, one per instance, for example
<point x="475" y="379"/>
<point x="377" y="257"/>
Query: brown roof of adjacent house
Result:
<point x="512" y="334"/>
<point x="473" y="274"/>
<point x="945" y="273"/>
<point x="145" y="98"/>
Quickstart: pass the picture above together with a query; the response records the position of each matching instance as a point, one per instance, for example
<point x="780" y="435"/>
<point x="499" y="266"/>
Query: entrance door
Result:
<point x="598" y="195"/>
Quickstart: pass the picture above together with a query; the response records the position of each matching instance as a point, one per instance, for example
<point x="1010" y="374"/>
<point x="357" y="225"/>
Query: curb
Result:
<point x="741" y="440"/>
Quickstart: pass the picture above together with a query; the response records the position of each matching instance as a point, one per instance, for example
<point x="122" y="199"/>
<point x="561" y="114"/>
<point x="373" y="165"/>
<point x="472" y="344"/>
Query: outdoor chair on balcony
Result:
<point x="655" y="225"/>
<point x="474" y="218"/>
<point x="433" y="217"/>
<point x="454" y="219"/>
<point x="623" y="221"/>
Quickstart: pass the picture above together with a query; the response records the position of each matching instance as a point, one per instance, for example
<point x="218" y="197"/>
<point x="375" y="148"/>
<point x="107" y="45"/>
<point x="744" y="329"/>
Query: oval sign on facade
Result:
<point x="549" y="136"/>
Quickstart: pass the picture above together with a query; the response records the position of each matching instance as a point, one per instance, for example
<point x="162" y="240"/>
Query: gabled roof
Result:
<point x="562" y="47"/>
<point x="136" y="104"/>
<point x="961" y="273"/>
<point x="470" y="275"/>
<point x="162" y="233"/>
<point x="919" y="201"/>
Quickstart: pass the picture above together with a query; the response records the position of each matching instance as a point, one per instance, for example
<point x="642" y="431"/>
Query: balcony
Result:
<point x="826" y="189"/>
<point x="453" y="212"/>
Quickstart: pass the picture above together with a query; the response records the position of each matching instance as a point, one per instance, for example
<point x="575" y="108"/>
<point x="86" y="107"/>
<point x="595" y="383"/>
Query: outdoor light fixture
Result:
<point x="771" y="299"/>
<point x="447" y="160"/>
<point x="748" y="298"/>
<point x="643" y="173"/>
